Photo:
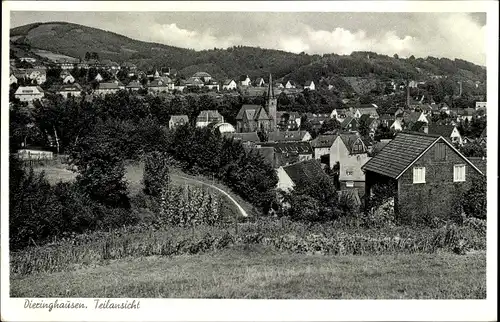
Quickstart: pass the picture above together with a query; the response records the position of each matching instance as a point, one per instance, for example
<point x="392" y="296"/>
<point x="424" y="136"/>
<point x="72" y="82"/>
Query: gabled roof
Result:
<point x="308" y="83"/>
<point x="202" y="74"/>
<point x="371" y="110"/>
<point x="210" y="114"/>
<point x="157" y="83"/>
<point x="31" y="89"/>
<point x="349" y="140"/>
<point x="228" y="81"/>
<point x="194" y="81"/>
<point x="412" y="117"/>
<point x="442" y="130"/>
<point x="305" y="172"/>
<point x="323" y="141"/>
<point x="290" y="147"/>
<point x="418" y="126"/>
<point x="243" y="110"/>
<point x="71" y="87"/>
<point x="177" y="118"/>
<point x="108" y="86"/>
<point x="261" y="114"/>
<point x="244" y="137"/>
<point x="348" y="120"/>
<point x="282" y="136"/>
<point x="404" y="150"/>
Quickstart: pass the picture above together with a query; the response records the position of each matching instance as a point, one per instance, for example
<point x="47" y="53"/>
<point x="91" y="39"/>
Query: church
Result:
<point x="252" y="118"/>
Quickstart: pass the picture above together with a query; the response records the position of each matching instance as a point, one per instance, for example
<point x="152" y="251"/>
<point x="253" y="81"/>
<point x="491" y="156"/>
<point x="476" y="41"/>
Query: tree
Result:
<point x="396" y="56"/>
<point x="330" y="125"/>
<point x="156" y="173"/>
<point x="473" y="149"/>
<point x="474" y="199"/>
<point x="363" y="127"/>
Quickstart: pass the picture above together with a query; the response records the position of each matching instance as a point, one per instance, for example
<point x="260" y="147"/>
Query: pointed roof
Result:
<point x="244" y="108"/>
<point x="403" y="151"/>
<point x="442" y="130"/>
<point x="350" y="140"/>
<point x="323" y="141"/>
<point x="305" y="172"/>
<point x="270" y="89"/>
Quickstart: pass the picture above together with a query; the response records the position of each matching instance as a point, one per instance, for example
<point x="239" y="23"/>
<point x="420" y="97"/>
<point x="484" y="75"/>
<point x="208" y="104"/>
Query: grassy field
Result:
<point x="134" y="173"/>
<point x="259" y="272"/>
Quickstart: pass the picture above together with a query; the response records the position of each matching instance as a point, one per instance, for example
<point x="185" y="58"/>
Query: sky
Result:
<point x="450" y="35"/>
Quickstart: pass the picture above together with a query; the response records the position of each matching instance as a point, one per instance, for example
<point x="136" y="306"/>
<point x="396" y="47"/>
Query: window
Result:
<point x="348" y="172"/>
<point x="349" y="184"/>
<point x="419" y="175"/>
<point x="459" y="173"/>
<point x="440" y="152"/>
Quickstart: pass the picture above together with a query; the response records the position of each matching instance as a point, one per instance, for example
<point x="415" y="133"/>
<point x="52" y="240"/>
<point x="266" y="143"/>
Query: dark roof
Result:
<point x="243" y="77"/>
<point x="227" y="81"/>
<point x="261" y="114"/>
<point x="412" y="117"/>
<point x="323" y="141"/>
<point x="442" y="130"/>
<point x="348" y="120"/>
<point x="305" y="172"/>
<point x="71" y="87"/>
<point x="349" y="140"/>
<point x="134" y="84"/>
<point x="244" y="137"/>
<point x="289" y="147"/>
<point x="266" y="152"/>
<point x="209" y="114"/>
<point x="281" y="136"/>
<point x="244" y="108"/>
<point x="402" y="152"/>
<point x="418" y="126"/>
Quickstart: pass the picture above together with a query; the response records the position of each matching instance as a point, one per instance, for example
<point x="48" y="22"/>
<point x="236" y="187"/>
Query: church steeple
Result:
<point x="272" y="104"/>
<point x="270" y="90"/>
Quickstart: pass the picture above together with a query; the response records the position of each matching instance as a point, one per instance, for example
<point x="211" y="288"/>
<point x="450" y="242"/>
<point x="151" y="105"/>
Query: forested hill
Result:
<point x="75" y="40"/>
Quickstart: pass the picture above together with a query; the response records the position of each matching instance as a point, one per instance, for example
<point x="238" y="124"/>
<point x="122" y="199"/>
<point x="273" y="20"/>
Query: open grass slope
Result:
<point x="259" y="272"/>
<point x="134" y="174"/>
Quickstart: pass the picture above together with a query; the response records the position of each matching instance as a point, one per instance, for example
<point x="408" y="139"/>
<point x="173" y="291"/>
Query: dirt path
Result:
<point x="240" y="208"/>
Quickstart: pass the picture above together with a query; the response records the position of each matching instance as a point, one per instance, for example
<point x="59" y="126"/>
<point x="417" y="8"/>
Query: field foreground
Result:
<point x="259" y="272"/>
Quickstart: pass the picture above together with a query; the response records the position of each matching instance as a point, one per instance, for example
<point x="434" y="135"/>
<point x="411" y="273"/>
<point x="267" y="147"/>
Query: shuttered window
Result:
<point x="459" y="173"/>
<point x="440" y="152"/>
<point x="419" y="175"/>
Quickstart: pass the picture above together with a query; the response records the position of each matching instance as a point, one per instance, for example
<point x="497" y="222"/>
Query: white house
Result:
<point x="229" y="84"/>
<point x="310" y="86"/>
<point x="351" y="153"/>
<point x="29" y="93"/>
<point x="108" y="88"/>
<point x="68" y="79"/>
<point x="289" y="84"/>
<point x="480" y="106"/>
<point x="260" y="82"/>
<point x="27" y="59"/>
<point x="396" y="125"/>
<point x="299" y="173"/>
<point x="12" y="79"/>
<point x="322" y="145"/>
<point x="245" y="80"/>
<point x="70" y="90"/>
<point x="98" y="77"/>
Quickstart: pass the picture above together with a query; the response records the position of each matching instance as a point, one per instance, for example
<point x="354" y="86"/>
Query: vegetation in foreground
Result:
<point x="260" y="272"/>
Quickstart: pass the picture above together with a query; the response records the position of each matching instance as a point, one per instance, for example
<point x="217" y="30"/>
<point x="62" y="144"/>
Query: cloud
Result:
<point x="172" y="35"/>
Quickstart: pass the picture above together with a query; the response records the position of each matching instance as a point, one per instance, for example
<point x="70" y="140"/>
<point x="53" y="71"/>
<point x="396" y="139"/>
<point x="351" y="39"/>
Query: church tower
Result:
<point x="272" y="104"/>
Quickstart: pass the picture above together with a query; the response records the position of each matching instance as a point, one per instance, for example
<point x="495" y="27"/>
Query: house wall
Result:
<point x="29" y="97"/>
<point x="318" y="152"/>
<point x="284" y="181"/>
<point x="434" y="198"/>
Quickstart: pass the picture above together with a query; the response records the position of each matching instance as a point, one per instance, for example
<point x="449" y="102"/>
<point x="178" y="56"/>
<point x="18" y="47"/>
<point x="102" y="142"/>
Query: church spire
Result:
<point x="270" y="91"/>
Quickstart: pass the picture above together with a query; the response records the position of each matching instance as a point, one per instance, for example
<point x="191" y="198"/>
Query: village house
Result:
<point x="286" y="153"/>
<point x="244" y="138"/>
<point x="279" y="85"/>
<point x="482" y="138"/>
<point x="317" y="119"/>
<point x="208" y="116"/>
<point x="465" y="114"/>
<point x="449" y="132"/>
<point x="66" y="77"/>
<point x="68" y="90"/>
<point x="310" y="85"/>
<point x="288" y="121"/>
<point x="212" y="84"/>
<point x="370" y="110"/>
<point x="409" y="119"/>
<point x="340" y="114"/>
<point x="12" y="79"/>
<point x="481" y="106"/>
<point x="108" y="88"/>
<point x="290" y="84"/>
<point x="424" y="174"/>
<point x="322" y="145"/>
<point x="159" y="85"/>
<point x="289" y="136"/>
<point x="38" y="75"/>
<point x="260" y="82"/>
<point x="28" y="59"/>
<point x="133" y="86"/>
<point x="177" y="120"/>
<point x="371" y="123"/>
<point x="203" y="76"/>
<point x="245" y="80"/>
<point x="251" y="118"/>
<point x="349" y="124"/>
<point x="98" y="78"/>
<point x="299" y="174"/>
<point x="350" y="152"/>
<point x="65" y="65"/>
<point x="229" y="84"/>
<point x="194" y="82"/>
<point x="29" y="93"/>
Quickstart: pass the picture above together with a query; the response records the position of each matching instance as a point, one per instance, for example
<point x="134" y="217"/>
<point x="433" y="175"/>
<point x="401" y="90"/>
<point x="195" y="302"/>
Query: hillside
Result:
<point x="75" y="40"/>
